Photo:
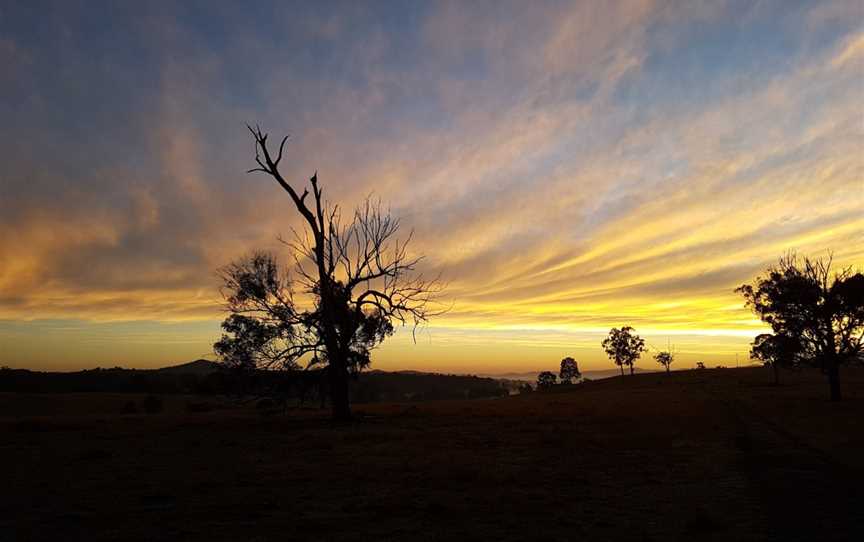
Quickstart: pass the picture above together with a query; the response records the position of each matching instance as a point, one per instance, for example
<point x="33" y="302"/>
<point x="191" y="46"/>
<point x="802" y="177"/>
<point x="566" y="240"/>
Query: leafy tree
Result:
<point x="776" y="351"/>
<point x="546" y="380"/>
<point x="700" y="365"/>
<point x="665" y="359"/>
<point x="823" y="311"/>
<point x="525" y="388"/>
<point x="569" y="370"/>
<point x="359" y="277"/>
<point x="623" y="347"/>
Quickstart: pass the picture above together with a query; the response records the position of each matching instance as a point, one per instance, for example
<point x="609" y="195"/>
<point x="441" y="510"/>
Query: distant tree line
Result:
<point x="301" y="387"/>
<point x="117" y="380"/>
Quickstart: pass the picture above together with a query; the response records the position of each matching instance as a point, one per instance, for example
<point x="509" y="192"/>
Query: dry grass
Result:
<point x="698" y="455"/>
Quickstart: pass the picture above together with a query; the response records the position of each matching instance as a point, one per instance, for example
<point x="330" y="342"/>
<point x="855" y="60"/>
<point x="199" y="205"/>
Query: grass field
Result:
<point x="695" y="455"/>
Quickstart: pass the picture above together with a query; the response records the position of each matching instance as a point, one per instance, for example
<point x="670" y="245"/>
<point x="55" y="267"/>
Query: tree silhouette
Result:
<point x="360" y="276"/>
<point x="823" y="311"/>
<point x="569" y="370"/>
<point x="776" y="351"/>
<point x="665" y="359"/>
<point x="546" y="380"/>
<point x="623" y="347"/>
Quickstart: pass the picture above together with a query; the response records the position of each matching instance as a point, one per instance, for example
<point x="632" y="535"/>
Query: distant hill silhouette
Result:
<point x="199" y="367"/>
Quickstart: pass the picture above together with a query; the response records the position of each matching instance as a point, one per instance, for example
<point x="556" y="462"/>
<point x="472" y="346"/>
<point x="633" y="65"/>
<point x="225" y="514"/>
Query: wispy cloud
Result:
<point x="567" y="167"/>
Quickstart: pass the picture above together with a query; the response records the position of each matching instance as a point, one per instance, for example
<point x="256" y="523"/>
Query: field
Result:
<point x="695" y="455"/>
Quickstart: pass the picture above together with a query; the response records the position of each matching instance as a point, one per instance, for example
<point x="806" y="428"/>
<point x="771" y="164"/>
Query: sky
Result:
<point x="567" y="167"/>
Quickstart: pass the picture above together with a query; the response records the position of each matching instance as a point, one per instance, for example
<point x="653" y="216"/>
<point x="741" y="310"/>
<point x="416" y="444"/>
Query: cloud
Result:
<point x="852" y="51"/>
<point x="567" y="167"/>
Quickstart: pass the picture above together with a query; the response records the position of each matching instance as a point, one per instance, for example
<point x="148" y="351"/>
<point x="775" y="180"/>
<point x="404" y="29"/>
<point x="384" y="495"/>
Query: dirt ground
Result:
<point x="695" y="455"/>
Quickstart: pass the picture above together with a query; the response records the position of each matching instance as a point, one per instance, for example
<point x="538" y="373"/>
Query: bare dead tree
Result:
<point x="362" y="277"/>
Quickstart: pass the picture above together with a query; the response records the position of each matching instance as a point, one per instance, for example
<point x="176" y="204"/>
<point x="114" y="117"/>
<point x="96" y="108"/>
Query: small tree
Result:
<point x="569" y="370"/>
<point x="525" y="388"/>
<point x="776" y="351"/>
<point x="623" y="347"/>
<point x="700" y="365"/>
<point x="823" y="311"/>
<point x="546" y="380"/>
<point x="665" y="359"/>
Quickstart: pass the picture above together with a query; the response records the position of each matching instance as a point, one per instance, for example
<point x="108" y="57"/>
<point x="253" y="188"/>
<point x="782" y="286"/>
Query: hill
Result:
<point x="199" y="367"/>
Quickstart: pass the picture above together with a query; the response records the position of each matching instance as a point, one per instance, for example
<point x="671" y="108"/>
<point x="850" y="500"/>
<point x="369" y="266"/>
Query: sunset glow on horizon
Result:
<point x="567" y="167"/>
